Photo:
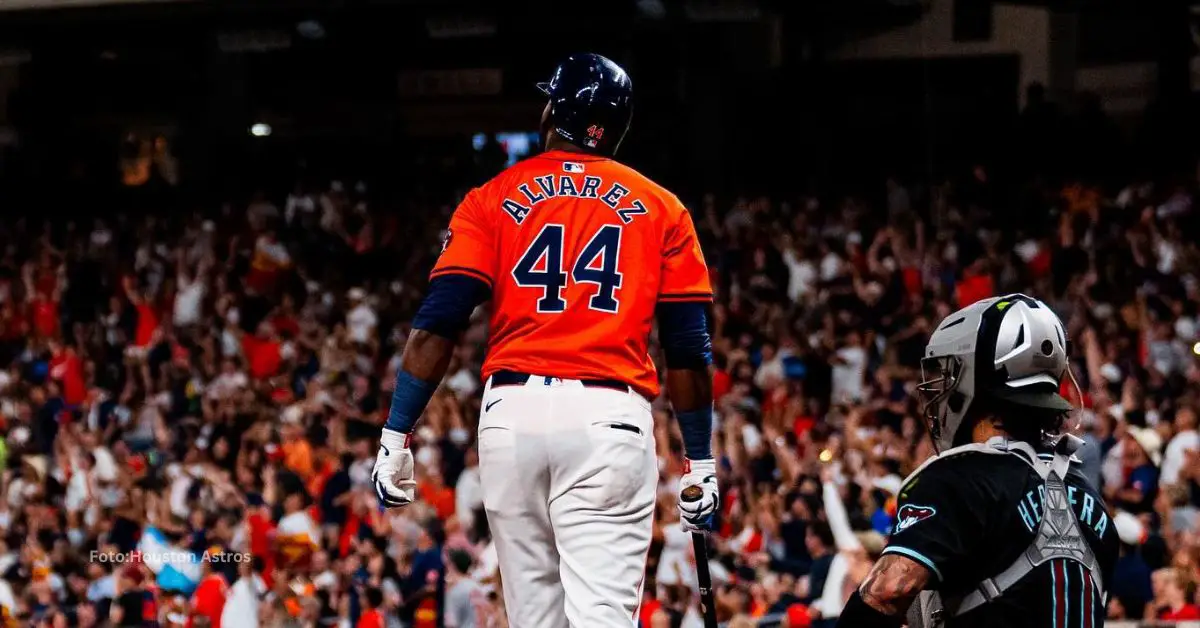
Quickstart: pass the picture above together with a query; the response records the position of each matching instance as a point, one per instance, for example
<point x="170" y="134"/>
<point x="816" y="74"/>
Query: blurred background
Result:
<point x="847" y="90"/>
<point x="217" y="217"/>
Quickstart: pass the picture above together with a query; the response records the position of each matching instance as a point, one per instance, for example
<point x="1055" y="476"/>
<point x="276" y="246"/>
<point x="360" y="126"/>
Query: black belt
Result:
<point x="512" y="378"/>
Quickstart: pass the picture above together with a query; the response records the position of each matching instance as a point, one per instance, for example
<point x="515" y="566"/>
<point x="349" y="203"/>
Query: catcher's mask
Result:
<point x="1010" y="351"/>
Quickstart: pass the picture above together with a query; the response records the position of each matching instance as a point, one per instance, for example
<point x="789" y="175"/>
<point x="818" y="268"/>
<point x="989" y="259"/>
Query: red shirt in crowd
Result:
<point x="1187" y="611"/>
<point x="370" y="619"/>
<point x="262" y="529"/>
<point x="427" y="611"/>
<point x="349" y="532"/>
<point x="721" y="384"/>
<point x="776" y="398"/>
<point x="354" y="521"/>
<point x="262" y="356"/>
<point x="209" y="599"/>
<point x="1073" y="394"/>
<point x="728" y="503"/>
<point x="47" y="280"/>
<point x="649" y="607"/>
<point x="286" y="325"/>
<point x="44" y="312"/>
<point x="67" y="367"/>
<point x="147" y="324"/>
<point x="912" y="279"/>
<point x="1039" y="266"/>
<point x="975" y="287"/>
<point x="441" y="498"/>
<point x="802" y="424"/>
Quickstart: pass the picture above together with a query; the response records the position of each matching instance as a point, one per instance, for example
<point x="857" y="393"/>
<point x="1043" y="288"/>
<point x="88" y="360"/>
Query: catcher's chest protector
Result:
<point x="1058" y="535"/>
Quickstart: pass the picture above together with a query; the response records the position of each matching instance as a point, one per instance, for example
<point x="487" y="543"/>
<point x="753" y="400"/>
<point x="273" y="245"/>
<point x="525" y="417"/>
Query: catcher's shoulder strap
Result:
<point x="998" y="445"/>
<point x="1058" y="535"/>
<point x="927" y="610"/>
<point x="1002" y="445"/>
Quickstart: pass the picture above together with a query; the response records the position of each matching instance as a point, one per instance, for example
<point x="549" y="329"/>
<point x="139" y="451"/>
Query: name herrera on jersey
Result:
<point x="1088" y="511"/>
<point x="551" y="186"/>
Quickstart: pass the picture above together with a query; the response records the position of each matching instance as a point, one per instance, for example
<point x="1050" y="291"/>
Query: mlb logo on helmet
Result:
<point x="446" y="239"/>
<point x="594" y="134"/>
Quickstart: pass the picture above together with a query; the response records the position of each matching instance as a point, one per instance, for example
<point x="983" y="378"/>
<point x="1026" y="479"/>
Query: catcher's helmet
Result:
<point x="591" y="102"/>
<point x="1009" y="350"/>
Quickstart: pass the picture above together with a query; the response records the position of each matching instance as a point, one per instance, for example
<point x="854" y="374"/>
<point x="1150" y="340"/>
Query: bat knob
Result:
<point x="692" y="494"/>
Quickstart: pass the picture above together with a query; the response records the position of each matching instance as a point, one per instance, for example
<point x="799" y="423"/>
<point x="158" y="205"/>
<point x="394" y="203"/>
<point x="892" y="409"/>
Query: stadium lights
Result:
<point x="260" y="129"/>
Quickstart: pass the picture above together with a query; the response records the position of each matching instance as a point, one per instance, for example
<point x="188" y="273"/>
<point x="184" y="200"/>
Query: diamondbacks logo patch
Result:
<point x="910" y="514"/>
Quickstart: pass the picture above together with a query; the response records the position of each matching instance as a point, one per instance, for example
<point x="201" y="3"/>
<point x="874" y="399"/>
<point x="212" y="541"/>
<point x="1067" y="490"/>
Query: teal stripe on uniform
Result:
<point x="1054" y="594"/>
<point x="1083" y="609"/>
<point x="915" y="555"/>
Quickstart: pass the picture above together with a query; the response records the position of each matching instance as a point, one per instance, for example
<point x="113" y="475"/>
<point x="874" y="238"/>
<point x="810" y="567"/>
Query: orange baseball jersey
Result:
<point x="577" y="249"/>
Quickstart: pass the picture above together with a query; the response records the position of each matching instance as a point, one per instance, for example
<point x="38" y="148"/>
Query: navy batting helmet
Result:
<point x="591" y="102"/>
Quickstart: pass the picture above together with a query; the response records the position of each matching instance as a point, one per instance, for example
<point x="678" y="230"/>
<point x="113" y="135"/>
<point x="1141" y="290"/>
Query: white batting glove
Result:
<point x="393" y="473"/>
<point x="696" y="515"/>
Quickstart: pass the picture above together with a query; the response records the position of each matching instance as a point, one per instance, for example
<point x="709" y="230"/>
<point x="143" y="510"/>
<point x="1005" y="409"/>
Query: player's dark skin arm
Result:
<point x="427" y="355"/>
<point x="689" y="389"/>
<point x="893" y="584"/>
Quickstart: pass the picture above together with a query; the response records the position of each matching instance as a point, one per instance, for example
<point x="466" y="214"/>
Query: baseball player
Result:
<point x="1000" y="528"/>
<point x="579" y="255"/>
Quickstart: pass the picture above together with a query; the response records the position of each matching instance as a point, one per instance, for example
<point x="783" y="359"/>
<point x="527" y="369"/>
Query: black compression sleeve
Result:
<point x="446" y="310"/>
<point x="858" y="614"/>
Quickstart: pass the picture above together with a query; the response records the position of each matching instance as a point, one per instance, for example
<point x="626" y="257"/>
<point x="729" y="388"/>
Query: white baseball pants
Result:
<point x="569" y="475"/>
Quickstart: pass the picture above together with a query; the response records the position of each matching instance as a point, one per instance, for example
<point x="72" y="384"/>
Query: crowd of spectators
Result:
<point x="209" y="384"/>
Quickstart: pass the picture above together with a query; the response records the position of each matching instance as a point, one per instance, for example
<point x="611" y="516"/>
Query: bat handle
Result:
<point x="703" y="578"/>
<point x="692" y="494"/>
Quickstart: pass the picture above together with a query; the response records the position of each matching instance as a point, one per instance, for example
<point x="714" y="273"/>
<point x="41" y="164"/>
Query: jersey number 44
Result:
<point x="542" y="266"/>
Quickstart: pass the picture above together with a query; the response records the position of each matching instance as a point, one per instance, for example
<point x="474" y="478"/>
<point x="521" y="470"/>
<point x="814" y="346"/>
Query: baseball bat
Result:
<point x="700" y="547"/>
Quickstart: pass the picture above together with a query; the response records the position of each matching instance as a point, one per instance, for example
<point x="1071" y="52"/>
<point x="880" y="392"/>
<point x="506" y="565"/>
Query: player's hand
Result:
<point x="393" y="473"/>
<point x="696" y="515"/>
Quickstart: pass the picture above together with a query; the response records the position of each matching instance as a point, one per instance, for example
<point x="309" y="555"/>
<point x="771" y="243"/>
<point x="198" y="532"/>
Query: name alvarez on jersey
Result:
<point x="550" y="186"/>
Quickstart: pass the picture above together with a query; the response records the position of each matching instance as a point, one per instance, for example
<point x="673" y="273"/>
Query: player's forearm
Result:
<point x="690" y="390"/>
<point x="691" y="395"/>
<point x="444" y="314"/>
<point x="893" y="584"/>
<point x="683" y="331"/>
<point x="426" y="358"/>
<point x="427" y="355"/>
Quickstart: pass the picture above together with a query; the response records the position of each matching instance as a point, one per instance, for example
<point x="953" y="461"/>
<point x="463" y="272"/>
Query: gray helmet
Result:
<point x="1010" y="349"/>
